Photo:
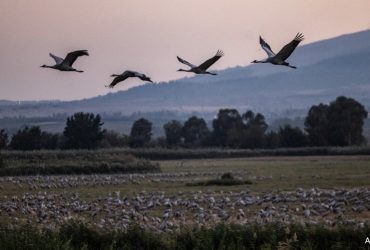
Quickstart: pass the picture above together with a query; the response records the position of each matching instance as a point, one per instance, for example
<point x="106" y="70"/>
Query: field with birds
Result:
<point x="186" y="125"/>
<point x="161" y="200"/>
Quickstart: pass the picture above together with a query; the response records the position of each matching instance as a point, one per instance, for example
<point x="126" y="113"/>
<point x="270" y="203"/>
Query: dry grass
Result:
<point x="287" y="173"/>
<point x="283" y="173"/>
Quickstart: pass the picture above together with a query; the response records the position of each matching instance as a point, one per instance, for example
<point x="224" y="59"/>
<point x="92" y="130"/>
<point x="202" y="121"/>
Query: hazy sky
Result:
<point x="147" y="35"/>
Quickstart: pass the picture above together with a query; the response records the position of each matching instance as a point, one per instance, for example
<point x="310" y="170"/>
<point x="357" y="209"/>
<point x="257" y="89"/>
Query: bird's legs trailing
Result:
<point x="288" y="65"/>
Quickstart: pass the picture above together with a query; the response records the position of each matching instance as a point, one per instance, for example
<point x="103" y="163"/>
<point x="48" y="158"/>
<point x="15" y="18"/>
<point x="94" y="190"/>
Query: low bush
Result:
<point x="227" y="176"/>
<point x="74" y="162"/>
<point x="217" y="153"/>
<point x="226" y="180"/>
<point x="180" y="153"/>
<point x="103" y="168"/>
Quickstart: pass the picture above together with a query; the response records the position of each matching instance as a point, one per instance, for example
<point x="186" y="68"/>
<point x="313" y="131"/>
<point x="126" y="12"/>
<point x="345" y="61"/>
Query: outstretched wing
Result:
<point x="57" y="59"/>
<point x="120" y="78"/>
<point x="266" y="47"/>
<point x="288" y="49"/>
<point x="185" y="62"/>
<point x="209" y="62"/>
<point x="72" y="56"/>
<point x="143" y="77"/>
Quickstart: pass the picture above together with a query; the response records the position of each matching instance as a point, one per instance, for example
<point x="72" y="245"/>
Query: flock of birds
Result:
<point x="50" y="201"/>
<point x="276" y="59"/>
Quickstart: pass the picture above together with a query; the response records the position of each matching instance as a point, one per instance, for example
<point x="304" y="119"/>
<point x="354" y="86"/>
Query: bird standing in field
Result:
<point x="125" y="75"/>
<point x="66" y="63"/>
<point x="201" y="69"/>
<point x="284" y="53"/>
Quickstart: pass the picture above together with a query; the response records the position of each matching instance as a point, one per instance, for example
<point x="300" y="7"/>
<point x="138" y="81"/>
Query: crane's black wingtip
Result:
<point x="299" y="36"/>
<point x="219" y="53"/>
<point x="261" y="40"/>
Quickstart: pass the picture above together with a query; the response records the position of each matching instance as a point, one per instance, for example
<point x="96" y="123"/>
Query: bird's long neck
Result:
<point x="260" y="61"/>
<point x="114" y="75"/>
<point x="185" y="70"/>
<point x="48" y="66"/>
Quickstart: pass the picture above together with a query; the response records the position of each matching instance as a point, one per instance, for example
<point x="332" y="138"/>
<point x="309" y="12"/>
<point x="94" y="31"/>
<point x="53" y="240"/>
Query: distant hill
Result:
<point x="326" y="69"/>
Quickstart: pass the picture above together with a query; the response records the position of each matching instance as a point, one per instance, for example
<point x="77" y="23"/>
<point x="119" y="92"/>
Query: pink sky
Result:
<point x="147" y="35"/>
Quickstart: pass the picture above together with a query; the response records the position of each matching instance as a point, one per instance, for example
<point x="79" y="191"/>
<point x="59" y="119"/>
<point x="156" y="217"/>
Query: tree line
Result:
<point x="339" y="123"/>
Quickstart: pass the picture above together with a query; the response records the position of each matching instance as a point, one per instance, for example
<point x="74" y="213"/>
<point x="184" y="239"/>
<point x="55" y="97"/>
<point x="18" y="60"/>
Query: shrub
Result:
<point x="226" y="180"/>
<point x="227" y="176"/>
<point x="74" y="162"/>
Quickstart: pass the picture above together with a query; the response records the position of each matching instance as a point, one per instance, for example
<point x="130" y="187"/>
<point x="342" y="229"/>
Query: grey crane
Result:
<point x="66" y="63"/>
<point x="201" y="69"/>
<point x="125" y="75"/>
<point x="284" y="53"/>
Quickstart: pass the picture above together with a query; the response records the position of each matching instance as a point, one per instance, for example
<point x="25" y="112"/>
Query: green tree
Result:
<point x="32" y="138"/>
<point x="346" y="118"/>
<point x="317" y="125"/>
<point x="195" y="132"/>
<point x="112" y="139"/>
<point x="173" y="132"/>
<point x="290" y="137"/>
<point x="338" y="124"/>
<point x="227" y="128"/>
<point x="141" y="133"/>
<point x="3" y="139"/>
<point x="255" y="128"/>
<point x="271" y="140"/>
<point x="49" y="140"/>
<point x="83" y="130"/>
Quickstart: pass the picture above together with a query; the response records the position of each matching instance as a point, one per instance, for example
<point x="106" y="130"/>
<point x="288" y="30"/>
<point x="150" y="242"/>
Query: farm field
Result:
<point x="325" y="190"/>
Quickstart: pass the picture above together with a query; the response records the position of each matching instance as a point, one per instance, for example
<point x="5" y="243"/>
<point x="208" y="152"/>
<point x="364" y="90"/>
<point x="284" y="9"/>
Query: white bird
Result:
<point x="125" y="75"/>
<point x="284" y="53"/>
<point x="201" y="69"/>
<point x="66" y="63"/>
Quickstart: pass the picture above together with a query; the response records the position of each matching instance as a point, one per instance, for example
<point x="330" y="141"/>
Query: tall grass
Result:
<point x="73" y="162"/>
<point x="272" y="236"/>
<point x="125" y="160"/>
<point x="181" y="153"/>
<point x="174" y="154"/>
